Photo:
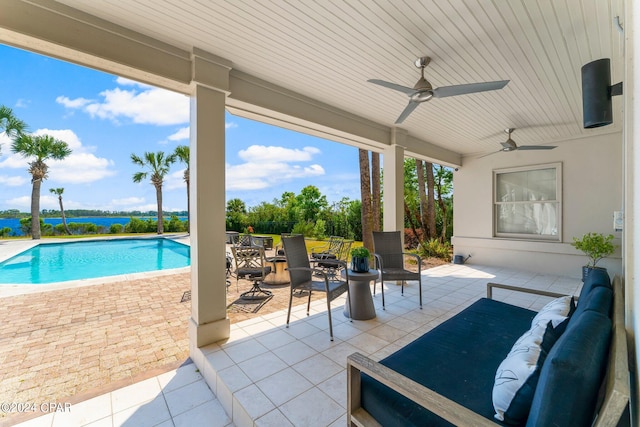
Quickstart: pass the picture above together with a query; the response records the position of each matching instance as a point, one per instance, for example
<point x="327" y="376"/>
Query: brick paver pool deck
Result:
<point x="71" y="344"/>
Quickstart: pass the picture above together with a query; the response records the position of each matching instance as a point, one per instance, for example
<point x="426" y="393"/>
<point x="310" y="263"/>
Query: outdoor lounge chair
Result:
<point x="387" y="249"/>
<point x="303" y="277"/>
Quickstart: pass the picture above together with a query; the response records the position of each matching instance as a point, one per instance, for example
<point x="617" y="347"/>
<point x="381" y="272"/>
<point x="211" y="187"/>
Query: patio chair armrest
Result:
<point x="490" y="287"/>
<point x="378" y="259"/>
<point x="425" y="397"/>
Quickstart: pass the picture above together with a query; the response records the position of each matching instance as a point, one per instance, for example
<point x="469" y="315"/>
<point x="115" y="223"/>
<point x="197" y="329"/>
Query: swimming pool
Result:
<point x="58" y="262"/>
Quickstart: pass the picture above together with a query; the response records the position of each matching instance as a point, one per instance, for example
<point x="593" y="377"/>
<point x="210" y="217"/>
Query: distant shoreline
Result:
<point x="101" y="221"/>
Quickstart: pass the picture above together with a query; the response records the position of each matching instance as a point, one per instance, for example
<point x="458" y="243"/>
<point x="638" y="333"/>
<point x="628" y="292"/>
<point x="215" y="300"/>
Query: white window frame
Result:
<point x="498" y="205"/>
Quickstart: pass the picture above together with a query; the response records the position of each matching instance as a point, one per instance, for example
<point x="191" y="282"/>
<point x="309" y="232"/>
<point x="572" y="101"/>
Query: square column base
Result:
<point x="201" y="335"/>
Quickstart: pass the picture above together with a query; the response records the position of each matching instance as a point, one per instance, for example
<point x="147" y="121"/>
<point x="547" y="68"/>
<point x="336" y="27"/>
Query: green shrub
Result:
<point x="116" y="228"/>
<point x="4" y="232"/>
<point x="137" y="225"/>
<point x="319" y="230"/>
<point x="436" y="249"/>
<point x="304" y="228"/>
<point x="175" y="225"/>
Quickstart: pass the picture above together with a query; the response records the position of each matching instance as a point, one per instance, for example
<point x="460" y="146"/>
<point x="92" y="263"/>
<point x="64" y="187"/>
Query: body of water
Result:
<point x="58" y="262"/>
<point x="14" y="223"/>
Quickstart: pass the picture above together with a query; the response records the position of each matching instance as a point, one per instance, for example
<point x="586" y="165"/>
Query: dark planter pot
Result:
<point x="360" y="265"/>
<point x="587" y="269"/>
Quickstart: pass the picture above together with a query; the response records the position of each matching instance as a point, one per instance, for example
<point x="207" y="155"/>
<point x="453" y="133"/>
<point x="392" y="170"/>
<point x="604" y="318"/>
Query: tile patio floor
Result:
<point x="266" y="374"/>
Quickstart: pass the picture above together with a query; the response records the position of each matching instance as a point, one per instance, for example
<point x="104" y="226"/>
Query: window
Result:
<point x="528" y="202"/>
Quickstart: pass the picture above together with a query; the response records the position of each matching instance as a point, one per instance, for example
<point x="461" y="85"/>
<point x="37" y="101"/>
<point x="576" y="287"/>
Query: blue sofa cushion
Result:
<point x="571" y="375"/>
<point x="458" y="358"/>
<point x="596" y="277"/>
<point x="600" y="299"/>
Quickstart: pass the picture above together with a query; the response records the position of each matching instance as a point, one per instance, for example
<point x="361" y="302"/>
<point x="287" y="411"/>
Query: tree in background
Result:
<point x="158" y="165"/>
<point x="439" y="219"/>
<point x="10" y="124"/>
<point x="422" y="193"/>
<point x="182" y="154"/>
<point x="309" y="204"/>
<point x="365" y="197"/>
<point x="40" y="148"/>
<point x="376" y="204"/>
<point x="444" y="186"/>
<point x="236" y="215"/>
<point x="58" y="192"/>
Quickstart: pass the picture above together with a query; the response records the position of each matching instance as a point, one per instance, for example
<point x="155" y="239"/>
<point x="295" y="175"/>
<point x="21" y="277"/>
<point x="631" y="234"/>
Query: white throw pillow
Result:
<point x="555" y="312"/>
<point x="514" y="371"/>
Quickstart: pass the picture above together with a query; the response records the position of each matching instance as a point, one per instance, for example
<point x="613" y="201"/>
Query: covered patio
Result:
<point x="267" y="374"/>
<point x="306" y="68"/>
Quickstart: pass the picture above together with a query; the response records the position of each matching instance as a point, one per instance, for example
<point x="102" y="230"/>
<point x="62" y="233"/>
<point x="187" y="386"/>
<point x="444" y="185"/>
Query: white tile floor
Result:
<point x="176" y="398"/>
<point x="269" y="375"/>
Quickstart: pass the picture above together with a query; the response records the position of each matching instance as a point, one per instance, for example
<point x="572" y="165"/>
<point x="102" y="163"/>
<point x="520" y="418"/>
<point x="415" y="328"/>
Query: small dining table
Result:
<point x="362" y="307"/>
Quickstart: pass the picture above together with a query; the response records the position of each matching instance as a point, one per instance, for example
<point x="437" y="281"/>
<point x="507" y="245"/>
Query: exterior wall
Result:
<point x="592" y="190"/>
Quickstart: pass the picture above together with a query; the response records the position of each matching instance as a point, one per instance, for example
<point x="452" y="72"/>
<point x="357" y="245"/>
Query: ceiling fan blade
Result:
<point x="399" y="88"/>
<point x="407" y="110"/>
<point x="488" y="154"/>
<point x="456" y="90"/>
<point x="536" y="147"/>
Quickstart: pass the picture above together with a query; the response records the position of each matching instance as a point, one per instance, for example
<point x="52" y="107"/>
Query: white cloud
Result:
<point x="180" y="135"/>
<point x="22" y="103"/>
<point x="262" y="153"/>
<point x="271" y="166"/>
<point x="81" y="166"/>
<point x="140" y="103"/>
<point x="73" y="103"/>
<point x="20" y="203"/>
<point x="230" y="125"/>
<point x="127" y="201"/>
<point x="12" y="181"/>
<point x="175" y="180"/>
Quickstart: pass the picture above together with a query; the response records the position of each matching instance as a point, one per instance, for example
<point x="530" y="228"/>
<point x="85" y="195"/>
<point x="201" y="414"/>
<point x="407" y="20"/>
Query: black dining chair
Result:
<point x="304" y="277"/>
<point x="387" y="250"/>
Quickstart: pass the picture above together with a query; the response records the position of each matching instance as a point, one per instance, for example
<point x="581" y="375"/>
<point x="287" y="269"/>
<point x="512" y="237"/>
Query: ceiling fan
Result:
<point x="510" y="145"/>
<point x="423" y="91"/>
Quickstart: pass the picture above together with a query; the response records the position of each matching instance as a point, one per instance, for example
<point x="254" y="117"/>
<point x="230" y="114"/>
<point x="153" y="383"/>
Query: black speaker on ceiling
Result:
<point x="597" y="92"/>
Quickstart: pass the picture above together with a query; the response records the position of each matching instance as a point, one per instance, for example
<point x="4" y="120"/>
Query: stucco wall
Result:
<point x="592" y="190"/>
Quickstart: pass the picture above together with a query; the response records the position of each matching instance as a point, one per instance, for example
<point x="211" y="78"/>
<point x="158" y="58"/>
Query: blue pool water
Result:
<point x="57" y="262"/>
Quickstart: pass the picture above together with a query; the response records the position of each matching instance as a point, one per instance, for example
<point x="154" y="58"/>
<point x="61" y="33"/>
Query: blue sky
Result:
<point x="105" y="118"/>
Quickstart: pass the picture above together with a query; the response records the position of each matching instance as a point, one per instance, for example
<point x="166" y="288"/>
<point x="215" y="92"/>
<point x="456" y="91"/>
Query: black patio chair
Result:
<point x="387" y="249"/>
<point x="303" y="277"/>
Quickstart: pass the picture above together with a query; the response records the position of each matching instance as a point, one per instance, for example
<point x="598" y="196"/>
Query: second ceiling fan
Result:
<point x="510" y="145"/>
<point x="423" y="90"/>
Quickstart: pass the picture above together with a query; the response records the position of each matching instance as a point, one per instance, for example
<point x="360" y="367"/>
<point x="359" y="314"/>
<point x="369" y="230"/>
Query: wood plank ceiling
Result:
<point x="327" y="50"/>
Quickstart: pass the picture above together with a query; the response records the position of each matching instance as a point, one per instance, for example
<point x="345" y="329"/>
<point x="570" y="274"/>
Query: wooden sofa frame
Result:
<point x="616" y="379"/>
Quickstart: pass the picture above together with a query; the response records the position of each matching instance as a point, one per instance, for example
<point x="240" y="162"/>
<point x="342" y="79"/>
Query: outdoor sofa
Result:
<point x="447" y="376"/>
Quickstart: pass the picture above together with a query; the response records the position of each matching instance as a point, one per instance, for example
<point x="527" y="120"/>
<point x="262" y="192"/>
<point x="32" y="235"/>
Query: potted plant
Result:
<point x="595" y="246"/>
<point x="360" y="259"/>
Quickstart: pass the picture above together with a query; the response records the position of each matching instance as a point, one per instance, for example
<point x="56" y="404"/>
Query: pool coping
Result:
<point x="11" y="248"/>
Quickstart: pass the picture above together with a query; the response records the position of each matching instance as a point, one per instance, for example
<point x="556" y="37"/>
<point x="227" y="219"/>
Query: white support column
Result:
<point x="393" y="185"/>
<point x="631" y="237"/>
<point x="209" y="322"/>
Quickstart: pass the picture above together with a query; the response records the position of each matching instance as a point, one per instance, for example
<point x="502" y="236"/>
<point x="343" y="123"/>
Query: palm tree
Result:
<point x="42" y="148"/>
<point x="58" y="192"/>
<point x="365" y="196"/>
<point x="158" y="165"/>
<point x="182" y="153"/>
<point x="10" y="124"/>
